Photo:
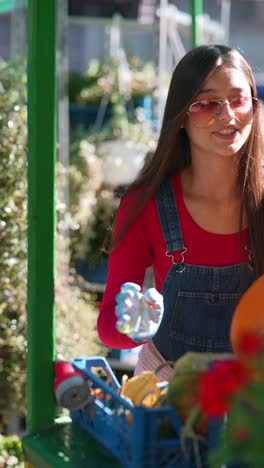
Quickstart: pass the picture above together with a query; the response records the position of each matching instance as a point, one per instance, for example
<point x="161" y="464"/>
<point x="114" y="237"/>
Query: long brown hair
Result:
<point x="173" y="153"/>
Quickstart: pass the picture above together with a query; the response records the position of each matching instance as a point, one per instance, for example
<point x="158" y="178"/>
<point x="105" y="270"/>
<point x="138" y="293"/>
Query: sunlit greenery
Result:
<point x="76" y="309"/>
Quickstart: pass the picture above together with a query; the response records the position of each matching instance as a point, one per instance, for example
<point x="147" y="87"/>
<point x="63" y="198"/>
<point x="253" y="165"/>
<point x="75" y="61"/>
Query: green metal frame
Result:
<point x="196" y="9"/>
<point x="42" y="121"/>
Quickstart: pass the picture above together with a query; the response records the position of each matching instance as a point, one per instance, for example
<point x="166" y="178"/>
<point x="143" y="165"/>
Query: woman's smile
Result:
<point x="227" y="133"/>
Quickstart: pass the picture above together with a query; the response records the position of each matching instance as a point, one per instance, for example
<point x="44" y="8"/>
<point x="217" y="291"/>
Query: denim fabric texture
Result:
<point x="199" y="301"/>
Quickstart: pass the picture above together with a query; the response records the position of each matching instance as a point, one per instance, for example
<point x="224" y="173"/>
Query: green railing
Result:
<point x="42" y="122"/>
<point x="197" y="10"/>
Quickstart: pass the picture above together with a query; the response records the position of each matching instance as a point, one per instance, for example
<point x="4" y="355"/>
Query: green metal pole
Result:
<point x="197" y="9"/>
<point x="41" y="212"/>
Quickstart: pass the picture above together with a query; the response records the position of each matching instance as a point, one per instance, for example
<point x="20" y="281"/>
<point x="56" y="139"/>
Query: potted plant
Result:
<point x="106" y="83"/>
<point x="102" y="164"/>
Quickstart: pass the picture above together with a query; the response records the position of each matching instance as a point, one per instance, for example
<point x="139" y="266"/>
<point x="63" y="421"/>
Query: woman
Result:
<point x="195" y="214"/>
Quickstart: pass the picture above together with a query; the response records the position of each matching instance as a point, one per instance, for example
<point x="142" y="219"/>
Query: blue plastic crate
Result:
<point x="134" y="435"/>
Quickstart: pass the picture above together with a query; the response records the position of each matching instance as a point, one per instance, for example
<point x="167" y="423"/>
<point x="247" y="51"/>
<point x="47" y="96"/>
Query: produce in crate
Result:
<point x="180" y="392"/>
<point x="197" y="362"/>
<point x="143" y="389"/>
<point x="183" y="388"/>
<point x="182" y="395"/>
<point x="135" y="436"/>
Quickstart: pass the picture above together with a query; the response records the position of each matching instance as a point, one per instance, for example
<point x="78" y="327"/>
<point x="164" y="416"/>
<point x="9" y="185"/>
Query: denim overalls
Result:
<point x="199" y="301"/>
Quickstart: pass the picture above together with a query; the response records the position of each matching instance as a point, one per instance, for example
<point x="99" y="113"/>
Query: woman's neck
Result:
<point x="217" y="182"/>
<point x="213" y="199"/>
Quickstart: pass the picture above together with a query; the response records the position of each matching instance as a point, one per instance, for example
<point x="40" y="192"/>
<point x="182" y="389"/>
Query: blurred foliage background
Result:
<point x="105" y="77"/>
<point x="13" y="239"/>
<point x="111" y="133"/>
<point x="76" y="309"/>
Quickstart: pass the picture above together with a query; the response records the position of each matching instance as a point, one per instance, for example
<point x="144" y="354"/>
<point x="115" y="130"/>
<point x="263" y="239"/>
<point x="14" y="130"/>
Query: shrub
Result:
<point x="76" y="309"/>
<point x="10" y="451"/>
<point x="110" y="78"/>
<point x="13" y="236"/>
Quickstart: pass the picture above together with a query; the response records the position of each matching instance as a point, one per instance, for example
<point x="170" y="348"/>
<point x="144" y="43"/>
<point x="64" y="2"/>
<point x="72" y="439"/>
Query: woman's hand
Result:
<point x="138" y="315"/>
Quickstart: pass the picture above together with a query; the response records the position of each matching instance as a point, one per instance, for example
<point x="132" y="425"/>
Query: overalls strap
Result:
<point x="168" y="214"/>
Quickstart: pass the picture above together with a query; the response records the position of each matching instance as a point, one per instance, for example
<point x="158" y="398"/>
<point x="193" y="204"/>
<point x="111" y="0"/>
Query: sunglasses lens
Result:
<point x="243" y="108"/>
<point x="204" y="113"/>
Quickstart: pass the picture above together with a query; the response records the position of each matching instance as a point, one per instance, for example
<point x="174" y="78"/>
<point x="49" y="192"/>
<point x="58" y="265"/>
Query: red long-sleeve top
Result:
<point x="144" y="246"/>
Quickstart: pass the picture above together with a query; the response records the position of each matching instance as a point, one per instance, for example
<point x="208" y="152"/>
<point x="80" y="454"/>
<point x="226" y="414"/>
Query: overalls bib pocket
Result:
<point x="202" y="319"/>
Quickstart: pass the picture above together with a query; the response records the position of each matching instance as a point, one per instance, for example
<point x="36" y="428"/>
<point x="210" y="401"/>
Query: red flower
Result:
<point x="219" y="384"/>
<point x="251" y="344"/>
<point x="232" y="375"/>
<point x="210" y="397"/>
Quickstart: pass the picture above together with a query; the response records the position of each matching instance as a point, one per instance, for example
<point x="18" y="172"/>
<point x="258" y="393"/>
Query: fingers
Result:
<point x="129" y="286"/>
<point x="125" y="325"/>
<point x="153" y="298"/>
<point x="138" y="315"/>
<point x="128" y="294"/>
<point x="123" y="306"/>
